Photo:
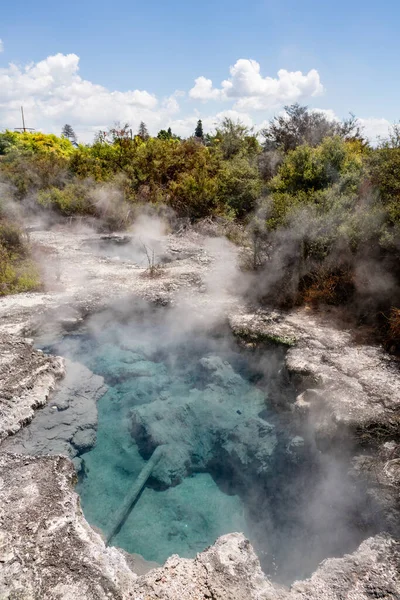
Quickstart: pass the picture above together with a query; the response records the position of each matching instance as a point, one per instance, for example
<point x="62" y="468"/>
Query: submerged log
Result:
<point x="134" y="492"/>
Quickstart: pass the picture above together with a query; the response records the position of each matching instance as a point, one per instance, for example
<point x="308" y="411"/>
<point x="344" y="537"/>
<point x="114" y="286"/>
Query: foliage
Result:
<point x="28" y="172"/>
<point x="198" y="132"/>
<point x="71" y="200"/>
<point x="38" y="143"/>
<point x="306" y="172"/>
<point x="33" y="161"/>
<point x="8" y="140"/>
<point x="165" y="134"/>
<point x="143" y="132"/>
<point x="239" y="186"/>
<point x="69" y="133"/>
<point x="234" y="139"/>
<point x="329" y="286"/>
<point x="384" y="166"/>
<point x="312" y="204"/>
<point x="17" y="272"/>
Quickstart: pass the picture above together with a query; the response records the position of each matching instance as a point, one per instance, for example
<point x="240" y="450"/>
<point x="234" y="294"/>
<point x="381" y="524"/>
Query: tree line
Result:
<point x="317" y="207"/>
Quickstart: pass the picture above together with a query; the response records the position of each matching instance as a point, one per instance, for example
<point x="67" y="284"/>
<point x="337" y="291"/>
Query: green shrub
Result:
<point x="18" y="273"/>
<point x="73" y="199"/>
<point x="384" y="170"/>
<point x="239" y="186"/>
<point x="11" y="238"/>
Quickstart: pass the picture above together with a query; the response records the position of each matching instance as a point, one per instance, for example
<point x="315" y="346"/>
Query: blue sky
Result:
<point x="162" y="46"/>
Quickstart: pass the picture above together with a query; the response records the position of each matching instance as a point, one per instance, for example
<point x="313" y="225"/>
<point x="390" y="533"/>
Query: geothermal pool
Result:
<point x="188" y="392"/>
<point x="230" y="460"/>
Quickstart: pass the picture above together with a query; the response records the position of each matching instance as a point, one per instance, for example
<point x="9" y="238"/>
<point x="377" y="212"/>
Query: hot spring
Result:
<point x="231" y="459"/>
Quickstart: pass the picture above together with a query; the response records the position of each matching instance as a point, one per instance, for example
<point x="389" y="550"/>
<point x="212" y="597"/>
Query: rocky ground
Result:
<point x="47" y="550"/>
<point x="67" y="424"/>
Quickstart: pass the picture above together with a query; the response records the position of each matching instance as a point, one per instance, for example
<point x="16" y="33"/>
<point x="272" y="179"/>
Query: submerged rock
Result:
<point x="214" y="427"/>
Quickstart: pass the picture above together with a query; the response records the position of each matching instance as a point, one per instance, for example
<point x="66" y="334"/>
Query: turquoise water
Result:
<point x="185" y="387"/>
<point x="231" y="460"/>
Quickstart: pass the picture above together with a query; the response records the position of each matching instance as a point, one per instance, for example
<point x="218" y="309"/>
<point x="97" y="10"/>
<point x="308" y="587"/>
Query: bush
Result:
<point x="324" y="286"/>
<point x="384" y="171"/>
<point x="11" y="239"/>
<point x="17" y="272"/>
<point x="73" y="199"/>
<point x="307" y="169"/>
<point x="239" y="186"/>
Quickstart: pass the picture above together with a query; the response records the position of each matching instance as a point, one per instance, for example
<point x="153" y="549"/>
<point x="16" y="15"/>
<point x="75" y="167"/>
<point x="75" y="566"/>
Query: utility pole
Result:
<point x="23" y="128"/>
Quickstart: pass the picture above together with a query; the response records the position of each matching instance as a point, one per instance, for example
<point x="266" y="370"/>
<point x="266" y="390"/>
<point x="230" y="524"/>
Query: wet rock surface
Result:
<point x="27" y="377"/>
<point x="373" y="571"/>
<point x="347" y="393"/>
<point x="67" y="424"/>
<point x="229" y="570"/>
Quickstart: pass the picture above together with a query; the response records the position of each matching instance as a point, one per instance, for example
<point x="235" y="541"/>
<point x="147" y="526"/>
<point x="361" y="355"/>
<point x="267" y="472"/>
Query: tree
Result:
<point x="69" y="133"/>
<point x="234" y="138"/>
<point x="198" y="132"/>
<point x="164" y="134"/>
<point x="299" y="125"/>
<point x="143" y="131"/>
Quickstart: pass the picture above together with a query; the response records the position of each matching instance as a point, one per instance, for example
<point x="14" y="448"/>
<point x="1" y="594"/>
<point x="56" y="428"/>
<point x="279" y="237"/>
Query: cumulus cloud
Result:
<point x="251" y="91"/>
<point x="52" y="91"/>
<point x="203" y="90"/>
<point x="374" y="129"/>
<point x="328" y="113"/>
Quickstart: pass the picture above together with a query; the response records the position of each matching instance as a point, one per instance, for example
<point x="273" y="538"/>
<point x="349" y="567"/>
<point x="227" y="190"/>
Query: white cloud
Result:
<point x="1" y="46"/>
<point x="375" y="128"/>
<point x="251" y="91"/>
<point x="203" y="90"/>
<point x="328" y="113"/>
<point x="53" y="93"/>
